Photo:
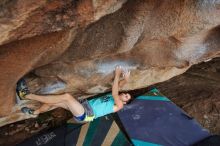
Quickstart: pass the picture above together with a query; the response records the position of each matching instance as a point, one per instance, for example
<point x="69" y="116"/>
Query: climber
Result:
<point x="83" y="111"/>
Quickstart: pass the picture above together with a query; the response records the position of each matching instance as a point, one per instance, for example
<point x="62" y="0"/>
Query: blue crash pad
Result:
<point x="153" y="120"/>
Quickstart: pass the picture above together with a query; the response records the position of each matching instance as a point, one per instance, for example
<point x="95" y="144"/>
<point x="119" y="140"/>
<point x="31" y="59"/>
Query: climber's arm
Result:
<point x="115" y="86"/>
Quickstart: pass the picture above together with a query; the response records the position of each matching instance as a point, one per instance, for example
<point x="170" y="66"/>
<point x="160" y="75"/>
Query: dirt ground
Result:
<point x="197" y="91"/>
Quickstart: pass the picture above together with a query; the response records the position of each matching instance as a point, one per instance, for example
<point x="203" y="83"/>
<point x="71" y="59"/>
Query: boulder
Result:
<point x="156" y="40"/>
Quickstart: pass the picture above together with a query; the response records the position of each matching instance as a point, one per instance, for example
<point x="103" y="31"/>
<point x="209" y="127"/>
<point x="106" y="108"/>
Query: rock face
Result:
<point x="196" y="91"/>
<point x="74" y="46"/>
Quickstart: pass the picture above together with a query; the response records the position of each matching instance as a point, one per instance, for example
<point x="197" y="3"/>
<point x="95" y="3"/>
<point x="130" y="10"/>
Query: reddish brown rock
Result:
<point x="155" y="39"/>
<point x="141" y="36"/>
<point x="22" y="19"/>
<point x="20" y="57"/>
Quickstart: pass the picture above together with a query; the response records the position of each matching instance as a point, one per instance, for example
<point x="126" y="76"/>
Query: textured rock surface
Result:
<point x="196" y="91"/>
<point x="38" y="33"/>
<point x="64" y="51"/>
<point x="27" y="18"/>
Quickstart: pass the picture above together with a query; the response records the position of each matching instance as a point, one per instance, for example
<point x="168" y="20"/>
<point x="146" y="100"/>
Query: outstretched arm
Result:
<point x="115" y="86"/>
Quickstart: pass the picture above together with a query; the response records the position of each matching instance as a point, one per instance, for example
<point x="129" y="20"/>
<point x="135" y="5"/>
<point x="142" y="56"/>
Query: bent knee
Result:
<point x="68" y="97"/>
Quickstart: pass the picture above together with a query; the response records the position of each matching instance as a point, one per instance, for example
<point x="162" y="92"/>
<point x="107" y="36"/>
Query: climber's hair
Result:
<point x="131" y="99"/>
<point x="131" y="95"/>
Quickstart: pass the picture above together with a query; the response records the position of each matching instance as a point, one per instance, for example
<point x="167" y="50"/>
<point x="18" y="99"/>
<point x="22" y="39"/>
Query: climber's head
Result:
<point x="124" y="97"/>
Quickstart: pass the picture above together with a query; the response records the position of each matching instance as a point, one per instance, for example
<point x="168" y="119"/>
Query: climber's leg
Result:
<point x="73" y="105"/>
<point x="45" y="107"/>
